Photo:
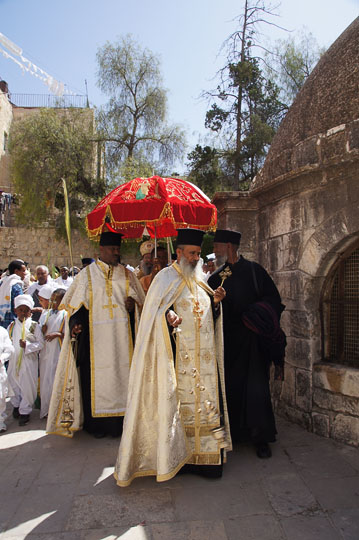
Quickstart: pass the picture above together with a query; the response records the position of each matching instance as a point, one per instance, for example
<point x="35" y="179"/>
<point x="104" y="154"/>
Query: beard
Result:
<point x="146" y="268"/>
<point x="220" y="260"/>
<point x="191" y="270"/>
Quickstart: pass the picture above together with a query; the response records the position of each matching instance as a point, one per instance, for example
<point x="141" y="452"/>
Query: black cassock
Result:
<point x="108" y="425"/>
<point x="246" y="361"/>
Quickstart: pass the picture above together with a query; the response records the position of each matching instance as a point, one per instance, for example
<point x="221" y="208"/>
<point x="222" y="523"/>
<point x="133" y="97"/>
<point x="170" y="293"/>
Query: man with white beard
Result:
<point x="176" y="415"/>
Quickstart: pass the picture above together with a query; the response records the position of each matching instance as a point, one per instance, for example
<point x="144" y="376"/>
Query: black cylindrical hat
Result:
<point x="191" y="237"/>
<point x="223" y="236"/>
<point x="85" y="260"/>
<point x="110" y="239"/>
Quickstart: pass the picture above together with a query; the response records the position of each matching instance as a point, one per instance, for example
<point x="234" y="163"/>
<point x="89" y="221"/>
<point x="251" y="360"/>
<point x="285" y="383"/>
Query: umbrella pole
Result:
<point x="155" y="243"/>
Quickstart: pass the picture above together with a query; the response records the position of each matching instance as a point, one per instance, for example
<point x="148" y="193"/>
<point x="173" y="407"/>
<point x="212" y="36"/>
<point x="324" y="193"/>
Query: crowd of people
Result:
<point x="180" y="348"/>
<point x="32" y="330"/>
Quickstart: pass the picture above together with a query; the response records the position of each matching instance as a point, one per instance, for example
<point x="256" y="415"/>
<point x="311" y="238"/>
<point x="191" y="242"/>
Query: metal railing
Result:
<point x="47" y="100"/>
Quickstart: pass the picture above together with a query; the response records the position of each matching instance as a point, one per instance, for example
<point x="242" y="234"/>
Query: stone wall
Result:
<point x="237" y="210"/>
<point x="297" y="228"/>
<point x="336" y="402"/>
<point x="304" y="210"/>
<point x="40" y="246"/>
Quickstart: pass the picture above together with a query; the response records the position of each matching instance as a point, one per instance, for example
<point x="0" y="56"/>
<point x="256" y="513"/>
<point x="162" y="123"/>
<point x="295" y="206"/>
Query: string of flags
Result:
<point x="14" y="53"/>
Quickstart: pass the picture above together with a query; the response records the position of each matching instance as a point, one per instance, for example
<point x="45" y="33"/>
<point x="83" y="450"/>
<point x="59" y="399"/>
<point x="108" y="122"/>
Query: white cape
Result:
<point x="154" y="439"/>
<point x="110" y="348"/>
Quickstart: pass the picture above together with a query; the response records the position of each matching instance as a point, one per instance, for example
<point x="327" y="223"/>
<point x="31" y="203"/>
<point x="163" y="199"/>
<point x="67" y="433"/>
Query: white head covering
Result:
<point x="146" y="247"/>
<point x="46" y="292"/>
<point x="23" y="300"/>
<point x="211" y="257"/>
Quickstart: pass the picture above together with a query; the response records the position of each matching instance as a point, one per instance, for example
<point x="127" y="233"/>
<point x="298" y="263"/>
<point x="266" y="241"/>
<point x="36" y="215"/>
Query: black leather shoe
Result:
<point x="24" y="419"/>
<point x="15" y="412"/>
<point x="263" y="450"/>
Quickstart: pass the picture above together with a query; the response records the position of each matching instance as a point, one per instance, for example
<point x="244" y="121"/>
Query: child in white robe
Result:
<point x="6" y="349"/>
<point x="53" y="326"/>
<point x="23" y="367"/>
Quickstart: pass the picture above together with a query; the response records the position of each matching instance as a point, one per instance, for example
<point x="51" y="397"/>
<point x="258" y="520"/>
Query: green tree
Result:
<point x="130" y="168"/>
<point x="245" y="106"/>
<point x="134" y="121"/>
<point x="290" y="62"/>
<point x="45" y="147"/>
<point x="204" y="169"/>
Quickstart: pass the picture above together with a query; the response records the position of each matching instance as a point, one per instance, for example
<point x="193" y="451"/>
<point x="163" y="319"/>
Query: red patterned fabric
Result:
<point x="166" y="204"/>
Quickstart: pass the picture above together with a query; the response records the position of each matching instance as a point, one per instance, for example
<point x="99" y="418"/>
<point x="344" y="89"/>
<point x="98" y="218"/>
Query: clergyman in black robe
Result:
<point x="247" y="356"/>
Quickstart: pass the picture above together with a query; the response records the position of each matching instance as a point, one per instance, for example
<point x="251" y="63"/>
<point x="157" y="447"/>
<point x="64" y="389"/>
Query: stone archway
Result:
<point x="332" y="390"/>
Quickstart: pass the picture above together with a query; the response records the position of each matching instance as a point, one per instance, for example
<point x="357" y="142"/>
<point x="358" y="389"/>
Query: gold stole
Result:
<point x="196" y="372"/>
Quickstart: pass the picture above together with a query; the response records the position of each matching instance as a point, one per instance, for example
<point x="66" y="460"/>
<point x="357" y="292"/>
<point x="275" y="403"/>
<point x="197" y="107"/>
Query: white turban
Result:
<point x="46" y="292"/>
<point x="23" y="300"/>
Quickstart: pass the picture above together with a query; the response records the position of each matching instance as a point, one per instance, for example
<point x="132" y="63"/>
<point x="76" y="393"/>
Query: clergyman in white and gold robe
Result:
<point x="91" y="381"/>
<point x="176" y="411"/>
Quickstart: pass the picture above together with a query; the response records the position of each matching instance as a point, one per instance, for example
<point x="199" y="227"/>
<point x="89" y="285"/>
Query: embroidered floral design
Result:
<point x="186" y="413"/>
<point x="184" y="304"/>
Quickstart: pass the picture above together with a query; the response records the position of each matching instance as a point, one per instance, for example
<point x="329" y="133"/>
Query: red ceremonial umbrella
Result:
<point x="162" y="205"/>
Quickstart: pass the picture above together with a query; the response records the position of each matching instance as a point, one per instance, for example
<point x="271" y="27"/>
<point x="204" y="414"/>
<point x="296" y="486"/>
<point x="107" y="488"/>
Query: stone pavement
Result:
<point x="53" y="488"/>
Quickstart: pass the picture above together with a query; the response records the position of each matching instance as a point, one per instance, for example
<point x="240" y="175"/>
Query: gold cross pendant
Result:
<point x="197" y="311"/>
<point x="110" y="306"/>
<point x="224" y="274"/>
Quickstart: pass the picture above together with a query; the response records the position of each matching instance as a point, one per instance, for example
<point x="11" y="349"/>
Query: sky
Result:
<point x="63" y="37"/>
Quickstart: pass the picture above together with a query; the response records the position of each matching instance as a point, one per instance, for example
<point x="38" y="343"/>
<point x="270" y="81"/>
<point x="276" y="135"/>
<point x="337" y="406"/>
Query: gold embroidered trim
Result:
<point x="108" y="287"/>
<point x="92" y="354"/>
<point x="168" y="476"/>
<point x="166" y="213"/>
<point x="197" y="392"/>
<point x="203" y="430"/>
<point x="152" y="472"/>
<point x="61" y="401"/>
<point x="206" y="459"/>
<point x="126" y="483"/>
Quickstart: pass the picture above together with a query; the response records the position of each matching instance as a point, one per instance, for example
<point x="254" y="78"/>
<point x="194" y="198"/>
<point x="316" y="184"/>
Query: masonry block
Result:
<point x="325" y="399"/>
<point x="337" y="379"/>
<point x="321" y="424"/>
<point x="303" y="397"/>
<point x="346" y="429"/>
<point x="298" y="352"/>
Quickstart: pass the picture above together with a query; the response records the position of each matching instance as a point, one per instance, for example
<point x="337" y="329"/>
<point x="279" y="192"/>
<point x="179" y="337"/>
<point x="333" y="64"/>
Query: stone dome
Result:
<point x="327" y="104"/>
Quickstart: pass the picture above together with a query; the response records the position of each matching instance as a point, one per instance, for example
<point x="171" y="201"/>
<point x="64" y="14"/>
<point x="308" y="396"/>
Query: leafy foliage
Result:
<point x="131" y="168"/>
<point x="133" y="122"/>
<point x="45" y="147"/>
<point x="250" y="100"/>
<point x="249" y="136"/>
<point x="205" y="169"/>
<point x="291" y="61"/>
<point x="245" y="107"/>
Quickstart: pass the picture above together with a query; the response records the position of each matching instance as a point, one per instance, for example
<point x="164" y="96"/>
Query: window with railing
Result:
<point x="341" y="311"/>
